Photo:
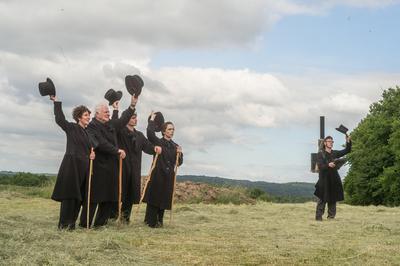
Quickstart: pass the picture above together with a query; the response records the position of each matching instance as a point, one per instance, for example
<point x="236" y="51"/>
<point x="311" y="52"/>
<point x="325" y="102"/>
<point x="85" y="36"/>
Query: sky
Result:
<point x="244" y="82"/>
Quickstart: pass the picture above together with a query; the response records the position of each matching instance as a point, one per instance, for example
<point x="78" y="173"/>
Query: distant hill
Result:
<point x="6" y="173"/>
<point x="285" y="192"/>
<point x="292" y="189"/>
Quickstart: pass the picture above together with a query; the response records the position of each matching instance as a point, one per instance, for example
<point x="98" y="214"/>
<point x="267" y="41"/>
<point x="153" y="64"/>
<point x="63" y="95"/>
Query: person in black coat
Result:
<point x="158" y="194"/>
<point x="74" y="170"/>
<point x="104" y="190"/>
<point x="329" y="188"/>
<point x="133" y="142"/>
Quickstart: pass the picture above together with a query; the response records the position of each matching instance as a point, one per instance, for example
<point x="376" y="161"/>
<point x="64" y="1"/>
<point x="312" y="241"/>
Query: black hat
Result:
<point x="134" y="84"/>
<point x="47" y="88"/>
<point x="112" y="96"/>
<point x="342" y="129"/>
<point x="158" y="121"/>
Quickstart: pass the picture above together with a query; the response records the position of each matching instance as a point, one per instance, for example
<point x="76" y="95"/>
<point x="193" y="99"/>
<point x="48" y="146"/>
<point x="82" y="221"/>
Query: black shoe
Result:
<point x="83" y="226"/>
<point x="71" y="227"/>
<point x="319" y="219"/>
<point x="159" y="225"/>
<point x="66" y="227"/>
<point x="330" y="217"/>
<point x="152" y="225"/>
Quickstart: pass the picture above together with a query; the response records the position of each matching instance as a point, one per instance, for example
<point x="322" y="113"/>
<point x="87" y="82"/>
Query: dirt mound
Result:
<point x="190" y="192"/>
<point x="194" y="192"/>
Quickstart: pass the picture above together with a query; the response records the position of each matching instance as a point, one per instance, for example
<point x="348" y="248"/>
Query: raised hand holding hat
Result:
<point x="134" y="84"/>
<point x="47" y="88"/>
<point x="112" y="96"/>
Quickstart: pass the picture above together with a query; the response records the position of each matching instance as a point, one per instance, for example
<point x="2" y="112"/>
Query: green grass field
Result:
<point x="260" y="234"/>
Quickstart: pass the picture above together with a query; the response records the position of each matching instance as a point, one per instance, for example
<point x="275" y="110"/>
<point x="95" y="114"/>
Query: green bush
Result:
<point x="258" y="194"/>
<point x="26" y="180"/>
<point x="373" y="177"/>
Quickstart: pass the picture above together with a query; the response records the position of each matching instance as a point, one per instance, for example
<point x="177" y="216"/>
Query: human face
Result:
<point x="169" y="131"/>
<point x="133" y="121"/>
<point x="84" y="119"/>
<point x="329" y="143"/>
<point x="103" y="115"/>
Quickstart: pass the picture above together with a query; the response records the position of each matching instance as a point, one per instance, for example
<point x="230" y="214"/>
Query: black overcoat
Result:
<point x="74" y="169"/>
<point x="160" y="188"/>
<point x="104" y="187"/>
<point x="329" y="187"/>
<point x="133" y="143"/>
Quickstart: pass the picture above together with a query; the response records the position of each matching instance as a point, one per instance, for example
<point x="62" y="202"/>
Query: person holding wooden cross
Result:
<point x="329" y="188"/>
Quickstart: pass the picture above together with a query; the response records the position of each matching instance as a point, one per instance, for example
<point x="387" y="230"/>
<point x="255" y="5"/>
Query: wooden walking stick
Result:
<point x="153" y="165"/>
<point x="89" y="188"/>
<point x="120" y="191"/>
<point x="173" y="189"/>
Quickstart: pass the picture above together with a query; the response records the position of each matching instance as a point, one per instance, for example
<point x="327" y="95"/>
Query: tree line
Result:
<point x="374" y="174"/>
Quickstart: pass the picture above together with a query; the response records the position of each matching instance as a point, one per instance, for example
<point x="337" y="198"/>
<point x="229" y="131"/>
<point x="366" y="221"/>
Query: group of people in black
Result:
<point x="106" y="141"/>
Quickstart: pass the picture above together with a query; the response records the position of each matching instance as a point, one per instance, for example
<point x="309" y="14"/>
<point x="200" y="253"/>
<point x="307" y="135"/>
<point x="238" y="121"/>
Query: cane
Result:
<point x="153" y="165"/>
<point x="89" y="188"/>
<point x="120" y="190"/>
<point x="173" y="189"/>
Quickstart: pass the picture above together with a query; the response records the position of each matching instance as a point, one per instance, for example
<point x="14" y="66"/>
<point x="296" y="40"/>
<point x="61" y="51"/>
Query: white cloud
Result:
<point x="208" y="106"/>
<point x="347" y="103"/>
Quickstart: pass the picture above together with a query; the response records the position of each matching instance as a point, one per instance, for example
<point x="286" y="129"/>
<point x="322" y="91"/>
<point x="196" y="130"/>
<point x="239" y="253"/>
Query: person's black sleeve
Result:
<point x="60" y="118"/>
<point x="121" y="122"/>
<point x="103" y="145"/>
<point x="114" y="115"/>
<point x="147" y="146"/>
<point x="180" y="159"/>
<point x="151" y="134"/>
<point x="345" y="151"/>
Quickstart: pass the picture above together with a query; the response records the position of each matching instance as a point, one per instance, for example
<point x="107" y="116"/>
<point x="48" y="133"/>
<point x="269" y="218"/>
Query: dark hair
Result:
<point x="325" y="139"/>
<point x="78" y="111"/>
<point x="164" y="126"/>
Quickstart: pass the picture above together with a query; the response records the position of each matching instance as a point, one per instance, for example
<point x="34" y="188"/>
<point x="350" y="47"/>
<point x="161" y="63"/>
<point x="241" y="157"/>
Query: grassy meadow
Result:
<point x="204" y="234"/>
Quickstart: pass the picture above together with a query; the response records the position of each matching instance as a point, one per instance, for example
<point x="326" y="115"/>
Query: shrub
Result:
<point x="258" y="194"/>
<point x="26" y="180"/>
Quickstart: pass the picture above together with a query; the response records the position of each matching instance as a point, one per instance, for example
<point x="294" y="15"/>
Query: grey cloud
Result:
<point x="57" y="30"/>
<point x="119" y="70"/>
<point x="75" y="26"/>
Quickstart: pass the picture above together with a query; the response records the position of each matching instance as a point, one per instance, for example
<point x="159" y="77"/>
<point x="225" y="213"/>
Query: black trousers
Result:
<point x="154" y="216"/>
<point x="114" y="210"/>
<point x="103" y="214"/>
<point x="321" y="209"/>
<point x="69" y="211"/>
<point x="83" y="219"/>
<point x="126" y="211"/>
